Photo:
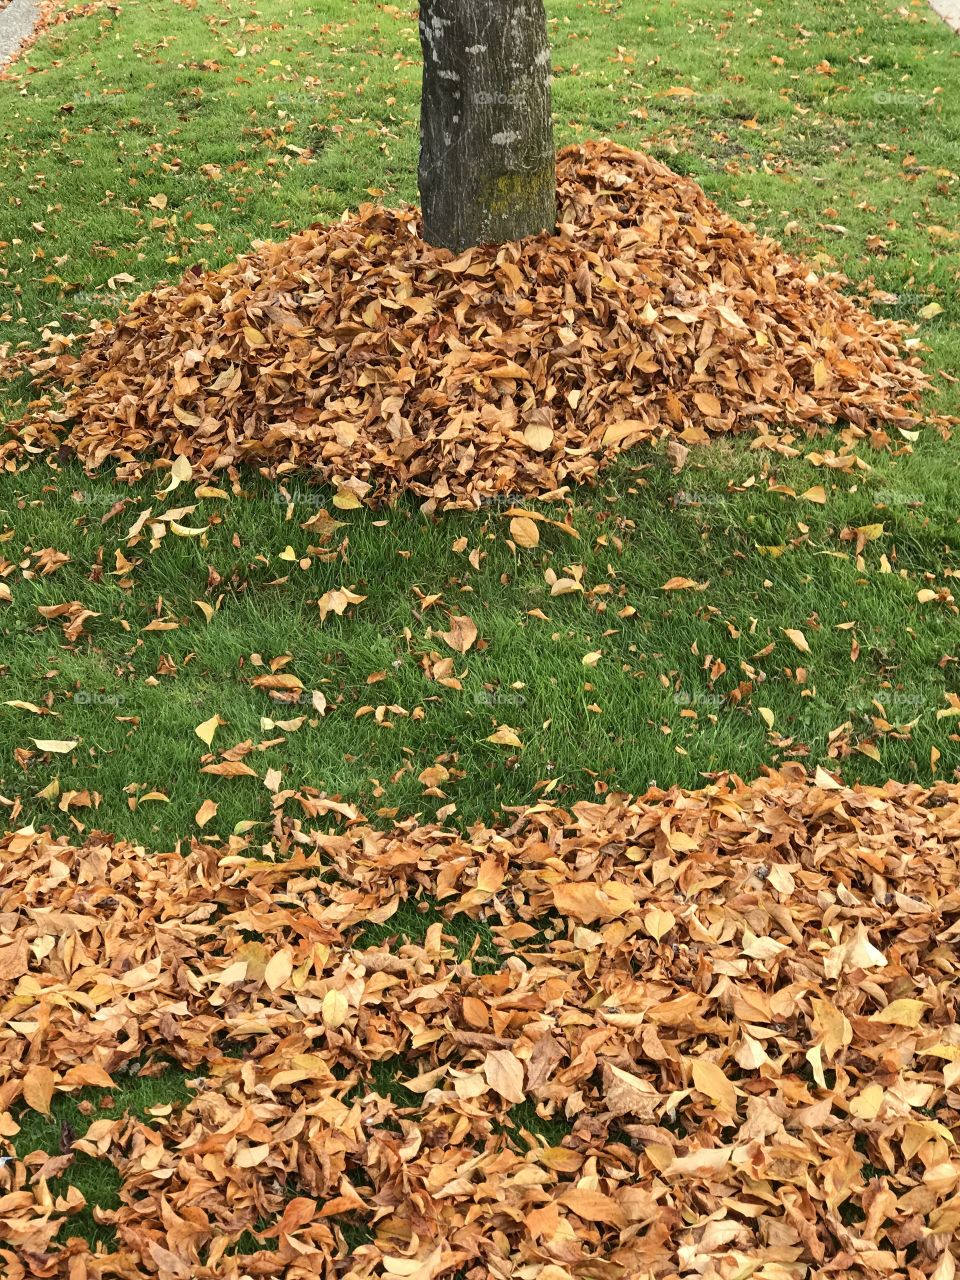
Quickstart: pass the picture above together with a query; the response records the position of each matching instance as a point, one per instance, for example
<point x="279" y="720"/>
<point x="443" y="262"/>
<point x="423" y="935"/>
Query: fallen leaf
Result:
<point x="797" y="639"/>
<point x="207" y="729"/>
<point x="504" y="1073"/>
<point x="55" y="745"/>
<point x="462" y="634"/>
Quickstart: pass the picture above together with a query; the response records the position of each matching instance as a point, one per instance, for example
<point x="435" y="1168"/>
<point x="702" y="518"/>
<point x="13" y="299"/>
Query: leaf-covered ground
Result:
<point x="704" y="1034"/>
<point x="368" y="359"/>
<point x="810" y="614"/>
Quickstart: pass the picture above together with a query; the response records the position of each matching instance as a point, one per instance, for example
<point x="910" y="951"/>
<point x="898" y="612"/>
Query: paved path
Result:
<point x="17" y="21"/>
<point x="949" y="11"/>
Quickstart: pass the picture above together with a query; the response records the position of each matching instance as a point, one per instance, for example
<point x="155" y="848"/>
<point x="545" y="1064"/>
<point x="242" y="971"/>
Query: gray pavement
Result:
<point x="949" y="11"/>
<point x="17" y="21"/>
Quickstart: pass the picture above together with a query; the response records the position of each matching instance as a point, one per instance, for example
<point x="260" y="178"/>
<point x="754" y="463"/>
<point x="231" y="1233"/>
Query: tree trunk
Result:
<point x="487" y="160"/>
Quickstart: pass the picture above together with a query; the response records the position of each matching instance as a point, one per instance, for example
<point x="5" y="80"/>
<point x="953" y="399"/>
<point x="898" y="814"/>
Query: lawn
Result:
<point x="819" y="625"/>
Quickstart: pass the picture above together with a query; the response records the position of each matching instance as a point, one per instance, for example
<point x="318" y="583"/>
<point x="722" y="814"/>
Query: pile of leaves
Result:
<point x="735" y="1012"/>
<point x="385" y="365"/>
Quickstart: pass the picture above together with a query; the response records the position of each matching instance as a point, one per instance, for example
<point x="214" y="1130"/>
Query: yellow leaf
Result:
<point x="867" y="1103"/>
<point x="345" y="500"/>
<point x="206" y="730"/>
<point x="901" y="1013"/>
<point x="816" y="494"/>
<point x="180" y="472"/>
<point x="814" y="1056"/>
<point x="766" y="715"/>
<point x="591" y="659"/>
<point x="831" y="1025"/>
<point x="334" y="1009"/>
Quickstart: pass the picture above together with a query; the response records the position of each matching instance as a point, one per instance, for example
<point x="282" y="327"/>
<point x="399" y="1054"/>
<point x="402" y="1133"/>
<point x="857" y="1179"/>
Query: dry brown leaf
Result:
<point x="797" y="639"/>
<point x="206" y="812"/>
<point x="462" y="634"/>
<point x="38" y="1086"/>
<point x="524" y="531"/>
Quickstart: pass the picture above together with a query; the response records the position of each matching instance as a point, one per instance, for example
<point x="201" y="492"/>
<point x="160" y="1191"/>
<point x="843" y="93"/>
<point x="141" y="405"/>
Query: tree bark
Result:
<point x="487" y="159"/>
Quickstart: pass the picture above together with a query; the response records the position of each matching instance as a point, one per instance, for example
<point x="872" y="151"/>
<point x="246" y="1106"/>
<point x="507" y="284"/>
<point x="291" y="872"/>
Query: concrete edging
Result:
<point x="17" y="23"/>
<point x="949" y="11"/>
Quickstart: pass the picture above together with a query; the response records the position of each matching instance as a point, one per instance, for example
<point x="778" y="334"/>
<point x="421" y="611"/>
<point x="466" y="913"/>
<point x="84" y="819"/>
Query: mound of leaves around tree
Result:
<point x="709" y="1033"/>
<point x="384" y="365"/>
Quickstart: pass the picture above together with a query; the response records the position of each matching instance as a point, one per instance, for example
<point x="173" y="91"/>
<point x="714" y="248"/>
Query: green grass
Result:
<point x="675" y="696"/>
<point x="829" y="125"/>
<point x="143" y="1096"/>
